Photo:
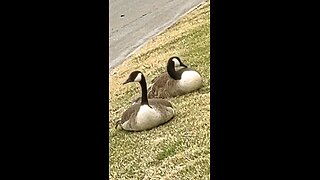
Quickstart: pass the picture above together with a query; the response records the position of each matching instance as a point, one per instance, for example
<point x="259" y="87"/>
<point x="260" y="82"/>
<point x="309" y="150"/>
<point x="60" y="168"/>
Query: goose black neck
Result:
<point x="144" y="97"/>
<point x="172" y="72"/>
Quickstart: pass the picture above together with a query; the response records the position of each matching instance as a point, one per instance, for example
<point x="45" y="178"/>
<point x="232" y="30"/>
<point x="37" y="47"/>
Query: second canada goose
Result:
<point x="178" y="80"/>
<point x="149" y="113"/>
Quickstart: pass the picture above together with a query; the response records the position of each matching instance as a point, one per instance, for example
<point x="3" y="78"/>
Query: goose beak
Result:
<point x="127" y="81"/>
<point x="183" y="65"/>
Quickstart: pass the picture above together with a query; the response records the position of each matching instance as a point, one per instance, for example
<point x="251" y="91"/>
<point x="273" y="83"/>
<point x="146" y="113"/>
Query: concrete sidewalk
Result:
<point x="132" y="23"/>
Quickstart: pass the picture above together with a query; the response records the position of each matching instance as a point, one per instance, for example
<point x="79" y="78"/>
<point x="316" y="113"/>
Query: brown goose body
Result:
<point x="161" y="111"/>
<point x="174" y="82"/>
<point x="147" y="114"/>
<point x="166" y="87"/>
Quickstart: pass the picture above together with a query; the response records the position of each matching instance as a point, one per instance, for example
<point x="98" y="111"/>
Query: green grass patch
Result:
<point x="168" y="151"/>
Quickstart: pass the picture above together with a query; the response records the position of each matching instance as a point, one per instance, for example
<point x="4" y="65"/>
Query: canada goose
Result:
<point x="178" y="80"/>
<point x="149" y="113"/>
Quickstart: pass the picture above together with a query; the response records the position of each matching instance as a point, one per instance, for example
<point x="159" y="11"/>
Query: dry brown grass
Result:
<point x="179" y="149"/>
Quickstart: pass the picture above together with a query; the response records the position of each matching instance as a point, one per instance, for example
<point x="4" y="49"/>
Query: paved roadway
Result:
<point x="133" y="22"/>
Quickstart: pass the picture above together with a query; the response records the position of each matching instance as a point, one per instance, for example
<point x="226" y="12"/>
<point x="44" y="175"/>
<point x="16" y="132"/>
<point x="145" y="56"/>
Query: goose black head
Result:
<point x="135" y="76"/>
<point x="177" y="62"/>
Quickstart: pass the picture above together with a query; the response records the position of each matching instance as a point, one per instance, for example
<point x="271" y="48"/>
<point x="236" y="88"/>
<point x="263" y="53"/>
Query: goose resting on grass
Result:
<point x="149" y="113"/>
<point x="177" y="81"/>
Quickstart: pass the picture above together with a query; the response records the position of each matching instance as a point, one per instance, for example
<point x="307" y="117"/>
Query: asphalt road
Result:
<point x="133" y="22"/>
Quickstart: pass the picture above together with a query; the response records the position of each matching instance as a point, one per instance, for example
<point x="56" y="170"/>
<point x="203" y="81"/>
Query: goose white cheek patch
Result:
<point x="176" y="62"/>
<point x="138" y="78"/>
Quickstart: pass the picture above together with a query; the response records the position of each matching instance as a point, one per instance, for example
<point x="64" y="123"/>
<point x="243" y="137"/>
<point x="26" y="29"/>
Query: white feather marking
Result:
<point x="138" y="78"/>
<point x="190" y="81"/>
<point x="178" y="68"/>
<point x="126" y="126"/>
<point x="176" y="62"/>
<point x="147" y="117"/>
